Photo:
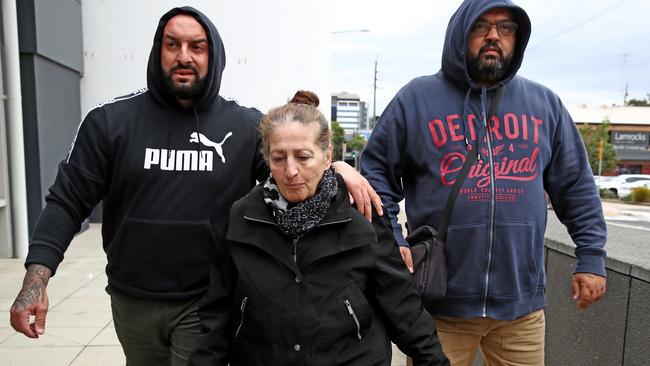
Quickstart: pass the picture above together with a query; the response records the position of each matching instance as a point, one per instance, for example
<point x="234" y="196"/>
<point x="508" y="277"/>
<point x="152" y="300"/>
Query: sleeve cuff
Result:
<point x="591" y="263"/>
<point x="42" y="255"/>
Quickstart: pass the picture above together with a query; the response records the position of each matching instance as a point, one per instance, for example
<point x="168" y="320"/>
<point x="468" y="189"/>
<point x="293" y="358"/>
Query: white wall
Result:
<point x="273" y="48"/>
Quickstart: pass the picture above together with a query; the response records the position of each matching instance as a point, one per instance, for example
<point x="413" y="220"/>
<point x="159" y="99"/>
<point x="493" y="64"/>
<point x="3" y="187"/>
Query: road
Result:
<point x="627" y="215"/>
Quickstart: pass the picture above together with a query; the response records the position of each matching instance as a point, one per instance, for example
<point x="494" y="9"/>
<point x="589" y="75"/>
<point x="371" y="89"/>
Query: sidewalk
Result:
<point x="79" y="329"/>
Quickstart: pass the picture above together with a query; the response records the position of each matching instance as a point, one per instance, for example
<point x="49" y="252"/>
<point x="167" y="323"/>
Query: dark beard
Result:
<point x="184" y="92"/>
<point x="488" y="71"/>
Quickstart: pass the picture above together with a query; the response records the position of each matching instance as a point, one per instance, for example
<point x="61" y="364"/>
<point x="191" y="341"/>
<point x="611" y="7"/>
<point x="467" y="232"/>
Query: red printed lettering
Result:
<point x="537" y="122"/>
<point x="437" y="129"/>
<point x="494" y="128"/>
<point x="452" y="122"/>
<point x="511" y="126"/>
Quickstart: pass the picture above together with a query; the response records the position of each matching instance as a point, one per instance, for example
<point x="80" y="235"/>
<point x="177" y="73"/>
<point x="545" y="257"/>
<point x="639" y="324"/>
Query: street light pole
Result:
<point x="374" y="96"/>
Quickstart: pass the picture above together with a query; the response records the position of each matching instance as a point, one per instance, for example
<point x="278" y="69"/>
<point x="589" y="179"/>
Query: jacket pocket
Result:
<point x="349" y="330"/>
<point x="162" y="256"/>
<point x="345" y="314"/>
<point x="251" y="325"/>
<point x="514" y="268"/>
<point x="466" y="254"/>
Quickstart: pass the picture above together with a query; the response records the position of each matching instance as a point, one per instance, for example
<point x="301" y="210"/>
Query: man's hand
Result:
<point x="31" y="301"/>
<point x="587" y="289"/>
<point x="406" y="257"/>
<point x="360" y="190"/>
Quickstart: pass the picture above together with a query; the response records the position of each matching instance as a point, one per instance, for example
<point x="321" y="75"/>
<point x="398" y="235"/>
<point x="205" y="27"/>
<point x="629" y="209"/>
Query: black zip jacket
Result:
<point x="336" y="296"/>
<point x="167" y="176"/>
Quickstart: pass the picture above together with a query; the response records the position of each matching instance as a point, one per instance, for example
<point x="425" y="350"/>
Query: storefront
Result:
<point x="629" y="134"/>
<point x="633" y="150"/>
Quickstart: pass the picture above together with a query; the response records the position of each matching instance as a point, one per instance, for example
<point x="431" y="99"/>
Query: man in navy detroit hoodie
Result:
<point x="495" y="240"/>
<point x="168" y="162"/>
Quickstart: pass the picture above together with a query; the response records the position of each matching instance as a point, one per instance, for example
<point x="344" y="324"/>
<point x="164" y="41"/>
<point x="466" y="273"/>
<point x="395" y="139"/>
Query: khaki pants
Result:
<point x="518" y="342"/>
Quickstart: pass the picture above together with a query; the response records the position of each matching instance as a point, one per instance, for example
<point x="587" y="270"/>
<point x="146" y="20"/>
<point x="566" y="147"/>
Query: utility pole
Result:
<point x="374" y="96"/>
<point x="600" y="157"/>
<point x="624" y="55"/>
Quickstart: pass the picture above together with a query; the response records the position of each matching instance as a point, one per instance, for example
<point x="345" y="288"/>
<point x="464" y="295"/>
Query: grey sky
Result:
<point x="586" y="63"/>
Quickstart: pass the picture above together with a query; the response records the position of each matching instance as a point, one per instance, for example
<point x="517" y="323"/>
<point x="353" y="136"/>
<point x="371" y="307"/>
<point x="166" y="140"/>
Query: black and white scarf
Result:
<point x="296" y="219"/>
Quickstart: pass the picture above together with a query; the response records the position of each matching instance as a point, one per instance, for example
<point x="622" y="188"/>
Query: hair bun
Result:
<point x="305" y="97"/>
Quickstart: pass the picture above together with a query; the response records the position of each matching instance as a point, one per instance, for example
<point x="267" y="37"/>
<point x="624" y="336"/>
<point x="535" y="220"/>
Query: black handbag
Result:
<point x="428" y="244"/>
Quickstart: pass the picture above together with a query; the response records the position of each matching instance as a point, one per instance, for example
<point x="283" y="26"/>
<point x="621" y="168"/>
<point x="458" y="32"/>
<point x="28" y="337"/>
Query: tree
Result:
<point x="357" y="143"/>
<point x="639" y="102"/>
<point x="591" y="136"/>
<point x="337" y="140"/>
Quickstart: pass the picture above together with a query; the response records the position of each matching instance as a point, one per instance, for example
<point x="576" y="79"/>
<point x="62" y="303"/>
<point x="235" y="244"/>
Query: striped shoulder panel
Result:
<point x="110" y="101"/>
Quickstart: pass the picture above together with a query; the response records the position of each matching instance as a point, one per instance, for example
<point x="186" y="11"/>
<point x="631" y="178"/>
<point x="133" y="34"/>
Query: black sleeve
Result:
<point x="214" y="313"/>
<point x="260" y="168"/>
<point x="409" y="325"/>
<point x="81" y="182"/>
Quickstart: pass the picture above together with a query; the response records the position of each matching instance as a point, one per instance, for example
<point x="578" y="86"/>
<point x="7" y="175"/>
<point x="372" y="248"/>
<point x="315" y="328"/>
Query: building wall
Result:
<point x="273" y="48"/>
<point x="51" y="64"/>
<point x="348" y="115"/>
<point x="6" y="239"/>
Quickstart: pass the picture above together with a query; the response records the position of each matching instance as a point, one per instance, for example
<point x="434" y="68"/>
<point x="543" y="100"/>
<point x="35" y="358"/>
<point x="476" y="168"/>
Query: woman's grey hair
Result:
<point x="302" y="109"/>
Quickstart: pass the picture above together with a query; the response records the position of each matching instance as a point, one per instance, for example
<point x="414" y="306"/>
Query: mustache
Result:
<point x="185" y="67"/>
<point x="491" y="44"/>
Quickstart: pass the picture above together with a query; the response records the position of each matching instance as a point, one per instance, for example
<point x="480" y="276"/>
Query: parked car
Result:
<point x="616" y="183"/>
<point x="600" y="179"/>
<point x="626" y="188"/>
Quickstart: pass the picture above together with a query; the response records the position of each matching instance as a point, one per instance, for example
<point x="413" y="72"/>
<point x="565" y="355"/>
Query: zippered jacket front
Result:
<point x="167" y="177"/>
<point x="335" y="296"/>
<point x="531" y="146"/>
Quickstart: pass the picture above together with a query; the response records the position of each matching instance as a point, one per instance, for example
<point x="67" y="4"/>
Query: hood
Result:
<point x="216" y="63"/>
<point x="454" y="65"/>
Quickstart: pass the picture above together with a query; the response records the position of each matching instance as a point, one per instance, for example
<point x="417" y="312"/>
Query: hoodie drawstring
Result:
<point x="198" y="131"/>
<point x="170" y="130"/>
<point x="486" y="128"/>
<point x="468" y="140"/>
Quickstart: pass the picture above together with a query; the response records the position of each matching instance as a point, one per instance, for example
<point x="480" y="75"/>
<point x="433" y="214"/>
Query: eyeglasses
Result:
<point x="481" y="28"/>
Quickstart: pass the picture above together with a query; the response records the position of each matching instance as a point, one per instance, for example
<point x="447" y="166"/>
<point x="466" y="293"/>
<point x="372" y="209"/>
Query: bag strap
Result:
<point x="469" y="161"/>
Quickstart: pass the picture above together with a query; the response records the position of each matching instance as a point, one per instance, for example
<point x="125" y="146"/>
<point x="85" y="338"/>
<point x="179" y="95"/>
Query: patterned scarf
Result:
<point x="296" y="219"/>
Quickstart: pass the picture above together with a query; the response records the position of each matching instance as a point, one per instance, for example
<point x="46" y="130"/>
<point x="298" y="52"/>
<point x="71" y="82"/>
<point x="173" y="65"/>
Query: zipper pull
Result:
<point x="354" y="317"/>
<point x="242" y="308"/>
<point x="294" y="248"/>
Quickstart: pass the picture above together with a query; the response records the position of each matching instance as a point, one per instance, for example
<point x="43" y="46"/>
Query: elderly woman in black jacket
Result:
<point x="311" y="281"/>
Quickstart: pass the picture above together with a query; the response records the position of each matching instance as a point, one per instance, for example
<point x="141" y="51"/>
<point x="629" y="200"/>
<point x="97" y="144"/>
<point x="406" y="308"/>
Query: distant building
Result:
<point x="629" y="134"/>
<point x="349" y="111"/>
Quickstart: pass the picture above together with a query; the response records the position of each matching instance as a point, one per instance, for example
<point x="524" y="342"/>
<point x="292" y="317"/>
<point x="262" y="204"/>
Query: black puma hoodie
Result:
<point x="167" y="176"/>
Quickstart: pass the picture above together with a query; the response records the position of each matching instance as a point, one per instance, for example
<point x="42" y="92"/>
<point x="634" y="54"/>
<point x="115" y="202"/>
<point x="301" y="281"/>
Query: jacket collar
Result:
<point x="257" y="212"/>
<point x="339" y="210"/>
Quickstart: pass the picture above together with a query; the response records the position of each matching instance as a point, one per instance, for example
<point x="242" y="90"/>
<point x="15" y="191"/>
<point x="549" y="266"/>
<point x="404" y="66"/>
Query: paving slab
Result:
<point x="100" y="356"/>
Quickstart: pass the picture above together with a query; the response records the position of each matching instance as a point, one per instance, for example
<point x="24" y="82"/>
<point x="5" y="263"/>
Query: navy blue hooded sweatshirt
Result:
<point x="167" y="176"/>
<point x="495" y="240"/>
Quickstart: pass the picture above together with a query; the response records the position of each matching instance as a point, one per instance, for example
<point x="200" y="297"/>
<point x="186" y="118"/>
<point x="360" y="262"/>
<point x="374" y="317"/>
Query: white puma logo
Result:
<point x="200" y="138"/>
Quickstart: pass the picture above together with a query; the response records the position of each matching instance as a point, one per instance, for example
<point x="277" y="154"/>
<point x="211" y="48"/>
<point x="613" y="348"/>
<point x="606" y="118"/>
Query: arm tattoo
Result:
<point x="33" y="291"/>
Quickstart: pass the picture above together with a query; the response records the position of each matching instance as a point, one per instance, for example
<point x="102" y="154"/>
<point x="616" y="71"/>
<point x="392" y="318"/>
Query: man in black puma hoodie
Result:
<point x="168" y="162"/>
